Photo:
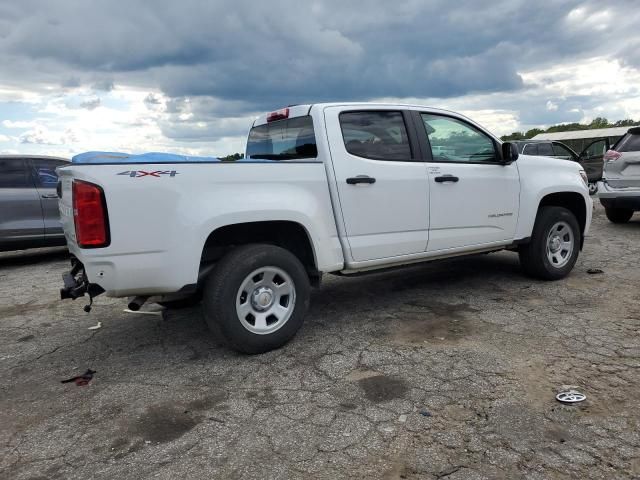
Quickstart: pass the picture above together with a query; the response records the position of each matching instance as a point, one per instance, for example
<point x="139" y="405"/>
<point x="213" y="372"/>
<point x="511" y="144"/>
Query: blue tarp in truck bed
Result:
<point x="153" y="157"/>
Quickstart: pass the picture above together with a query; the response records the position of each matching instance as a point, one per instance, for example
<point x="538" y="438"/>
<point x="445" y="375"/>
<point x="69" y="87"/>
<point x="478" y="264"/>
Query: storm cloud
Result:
<point x="234" y="58"/>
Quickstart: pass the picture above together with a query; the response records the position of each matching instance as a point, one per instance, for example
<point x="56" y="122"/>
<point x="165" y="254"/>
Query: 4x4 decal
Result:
<point x="144" y="173"/>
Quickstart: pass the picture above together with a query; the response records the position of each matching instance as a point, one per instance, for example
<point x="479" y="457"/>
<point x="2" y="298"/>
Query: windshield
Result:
<point x="288" y="139"/>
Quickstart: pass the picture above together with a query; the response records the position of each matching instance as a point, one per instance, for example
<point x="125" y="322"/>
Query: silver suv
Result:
<point x="29" y="215"/>
<point x="620" y="188"/>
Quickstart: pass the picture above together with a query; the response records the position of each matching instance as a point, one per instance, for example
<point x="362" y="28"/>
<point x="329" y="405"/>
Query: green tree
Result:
<point x="233" y="157"/>
<point x="624" y="123"/>
<point x="599" y="122"/>
<point x="533" y="132"/>
<point x="514" y="136"/>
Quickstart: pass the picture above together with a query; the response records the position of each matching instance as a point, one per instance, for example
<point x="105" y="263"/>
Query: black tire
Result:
<point x="533" y="255"/>
<point x="618" y="215"/>
<point x="222" y="288"/>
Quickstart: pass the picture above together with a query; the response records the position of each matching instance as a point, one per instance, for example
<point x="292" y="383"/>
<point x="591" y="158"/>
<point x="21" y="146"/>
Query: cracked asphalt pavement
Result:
<point x="444" y="370"/>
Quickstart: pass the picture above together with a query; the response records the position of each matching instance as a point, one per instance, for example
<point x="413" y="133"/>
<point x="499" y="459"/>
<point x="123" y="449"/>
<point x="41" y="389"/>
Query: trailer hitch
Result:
<point x="76" y="285"/>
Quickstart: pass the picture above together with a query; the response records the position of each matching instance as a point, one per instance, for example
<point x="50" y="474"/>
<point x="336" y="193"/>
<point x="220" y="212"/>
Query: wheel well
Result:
<point x="289" y="235"/>
<point x="572" y="202"/>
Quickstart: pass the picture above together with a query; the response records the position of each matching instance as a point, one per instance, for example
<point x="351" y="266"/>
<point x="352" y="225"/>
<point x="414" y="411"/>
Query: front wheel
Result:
<point x="593" y="188"/>
<point x="618" y="215"/>
<point x="257" y="297"/>
<point x="554" y="246"/>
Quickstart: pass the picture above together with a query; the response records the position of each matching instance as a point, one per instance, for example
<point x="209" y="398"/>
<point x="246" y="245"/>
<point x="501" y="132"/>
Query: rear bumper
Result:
<point x="136" y="273"/>
<point x="628" y="198"/>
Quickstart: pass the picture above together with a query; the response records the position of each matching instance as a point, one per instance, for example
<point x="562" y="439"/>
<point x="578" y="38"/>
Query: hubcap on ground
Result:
<point x="560" y="244"/>
<point x="266" y="299"/>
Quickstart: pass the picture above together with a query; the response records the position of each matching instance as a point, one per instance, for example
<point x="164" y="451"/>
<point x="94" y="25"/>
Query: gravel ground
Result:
<point x="445" y="370"/>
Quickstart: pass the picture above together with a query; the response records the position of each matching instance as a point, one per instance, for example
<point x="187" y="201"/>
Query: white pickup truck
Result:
<point x="325" y="188"/>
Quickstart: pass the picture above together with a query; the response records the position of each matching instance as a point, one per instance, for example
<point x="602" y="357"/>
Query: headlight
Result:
<point x="585" y="179"/>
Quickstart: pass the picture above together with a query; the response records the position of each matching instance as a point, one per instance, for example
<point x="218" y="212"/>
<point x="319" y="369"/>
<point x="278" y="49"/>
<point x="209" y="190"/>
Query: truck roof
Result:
<point x="304" y="109"/>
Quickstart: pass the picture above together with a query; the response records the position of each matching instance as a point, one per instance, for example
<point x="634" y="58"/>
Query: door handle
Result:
<point x="361" y="179"/>
<point x="446" y="178"/>
<point x="50" y="195"/>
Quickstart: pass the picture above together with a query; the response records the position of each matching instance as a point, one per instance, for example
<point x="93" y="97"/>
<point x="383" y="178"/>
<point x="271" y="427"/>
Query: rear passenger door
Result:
<point x="20" y="211"/>
<point x="382" y="187"/>
<point x="46" y="180"/>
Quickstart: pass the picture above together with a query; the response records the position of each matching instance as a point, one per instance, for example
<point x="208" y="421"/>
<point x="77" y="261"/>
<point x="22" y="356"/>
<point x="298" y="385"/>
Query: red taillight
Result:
<point x="90" y="215"/>
<point x="611" y="156"/>
<point x="278" y="115"/>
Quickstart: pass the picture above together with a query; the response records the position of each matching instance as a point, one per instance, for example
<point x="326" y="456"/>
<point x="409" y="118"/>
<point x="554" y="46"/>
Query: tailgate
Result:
<point x="625" y="171"/>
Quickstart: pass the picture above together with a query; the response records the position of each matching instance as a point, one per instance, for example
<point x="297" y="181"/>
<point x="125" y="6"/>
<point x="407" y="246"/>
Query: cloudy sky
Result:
<point x="189" y="76"/>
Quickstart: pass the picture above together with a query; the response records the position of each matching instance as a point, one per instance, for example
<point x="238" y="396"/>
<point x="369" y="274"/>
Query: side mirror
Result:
<point x="509" y="153"/>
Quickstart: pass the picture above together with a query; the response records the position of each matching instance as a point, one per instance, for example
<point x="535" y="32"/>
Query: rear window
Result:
<point x="289" y="139"/>
<point x="629" y="143"/>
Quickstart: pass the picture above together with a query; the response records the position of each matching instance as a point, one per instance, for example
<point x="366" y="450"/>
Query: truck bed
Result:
<point x="160" y="216"/>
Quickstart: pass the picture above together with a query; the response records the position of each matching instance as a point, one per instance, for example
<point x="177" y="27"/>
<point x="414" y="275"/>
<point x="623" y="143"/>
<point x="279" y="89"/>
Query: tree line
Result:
<point x="233" y="157"/>
<point x="598" y="122"/>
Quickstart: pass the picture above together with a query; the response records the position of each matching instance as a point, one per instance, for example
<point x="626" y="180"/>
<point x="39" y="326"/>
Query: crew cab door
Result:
<point x="592" y="158"/>
<point x="382" y="189"/>
<point x="474" y="198"/>
<point x="20" y="212"/>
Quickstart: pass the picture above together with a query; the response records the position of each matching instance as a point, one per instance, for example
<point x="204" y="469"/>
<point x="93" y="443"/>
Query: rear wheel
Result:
<point x="553" y="249"/>
<point x="257" y="297"/>
<point x="619" y="215"/>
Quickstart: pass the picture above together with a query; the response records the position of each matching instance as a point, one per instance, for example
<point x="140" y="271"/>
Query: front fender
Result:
<point x="540" y="177"/>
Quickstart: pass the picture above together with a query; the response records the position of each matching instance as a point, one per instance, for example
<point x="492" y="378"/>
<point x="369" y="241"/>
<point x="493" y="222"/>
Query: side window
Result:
<point x="545" y="150"/>
<point x="14" y="173"/>
<point x="44" y="172"/>
<point x="596" y="149"/>
<point x="531" y="149"/>
<point x="379" y="135"/>
<point x="561" y="151"/>
<point x="629" y="143"/>
<point x="453" y="140"/>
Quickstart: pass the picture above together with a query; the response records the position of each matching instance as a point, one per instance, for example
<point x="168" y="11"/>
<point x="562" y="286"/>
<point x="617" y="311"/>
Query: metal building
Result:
<point x="579" y="139"/>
